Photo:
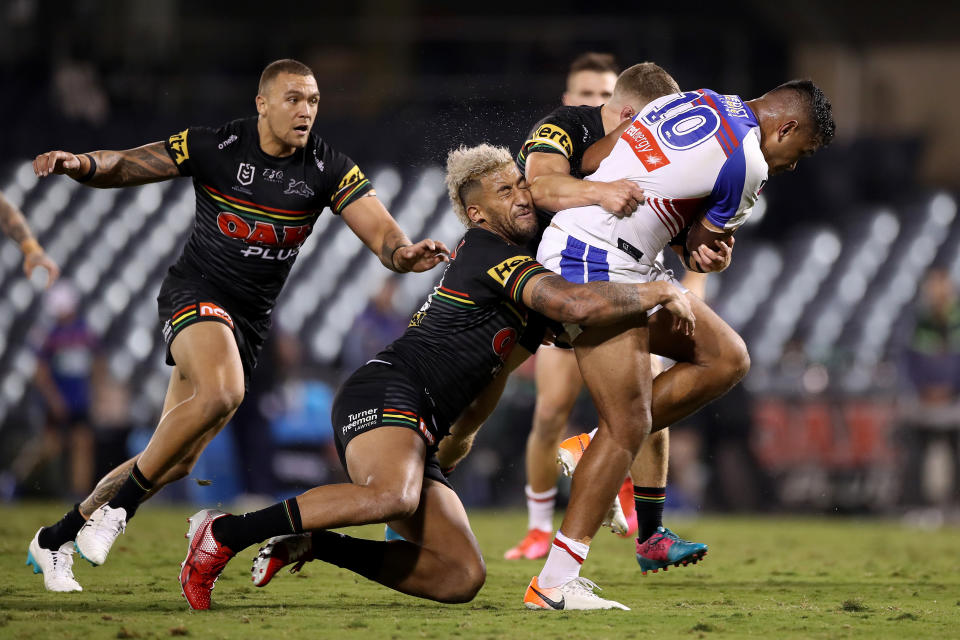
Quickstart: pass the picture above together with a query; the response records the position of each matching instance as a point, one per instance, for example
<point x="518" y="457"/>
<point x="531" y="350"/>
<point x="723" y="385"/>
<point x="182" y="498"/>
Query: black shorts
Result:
<point x="381" y="394"/>
<point x="184" y="301"/>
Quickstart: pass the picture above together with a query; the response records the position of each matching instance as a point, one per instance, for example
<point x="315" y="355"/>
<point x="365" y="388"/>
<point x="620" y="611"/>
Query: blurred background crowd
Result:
<point x="844" y="283"/>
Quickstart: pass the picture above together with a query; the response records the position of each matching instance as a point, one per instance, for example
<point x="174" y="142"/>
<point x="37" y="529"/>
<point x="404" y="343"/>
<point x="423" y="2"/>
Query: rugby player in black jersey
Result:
<point x="553" y="160"/>
<point x="391" y="414"/>
<point x="260" y="184"/>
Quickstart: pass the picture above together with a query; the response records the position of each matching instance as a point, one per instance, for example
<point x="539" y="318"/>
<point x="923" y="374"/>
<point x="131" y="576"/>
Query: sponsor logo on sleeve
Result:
<point x="645" y="146"/>
<point x="733" y="105"/>
<point x="178" y="143"/>
<point x="226" y="143"/>
<point x="501" y="272"/>
<point x="353" y="176"/>
<point x="554" y="136"/>
<point x="245" y="173"/>
<point x="299" y="187"/>
<point x="211" y="309"/>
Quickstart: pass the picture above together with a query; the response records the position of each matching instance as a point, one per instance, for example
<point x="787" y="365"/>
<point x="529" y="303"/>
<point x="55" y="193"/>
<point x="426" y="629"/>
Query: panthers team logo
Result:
<point x="504" y="341"/>
<point x="300" y="188"/>
<point x="245" y="173"/>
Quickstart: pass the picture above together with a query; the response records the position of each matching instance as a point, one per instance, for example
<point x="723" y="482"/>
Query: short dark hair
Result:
<point x="593" y="61"/>
<point x="818" y="106"/>
<point x="275" y="68"/>
<point x="647" y="81"/>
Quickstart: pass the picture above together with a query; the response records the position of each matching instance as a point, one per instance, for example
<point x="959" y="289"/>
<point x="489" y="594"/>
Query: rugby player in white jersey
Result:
<point x="701" y="158"/>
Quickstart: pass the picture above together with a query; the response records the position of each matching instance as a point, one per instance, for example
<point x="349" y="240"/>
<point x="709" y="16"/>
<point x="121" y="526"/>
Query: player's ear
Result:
<point x="261" y="103"/>
<point x="786" y="129"/>
<point x="627" y="112"/>
<point x="475" y="213"/>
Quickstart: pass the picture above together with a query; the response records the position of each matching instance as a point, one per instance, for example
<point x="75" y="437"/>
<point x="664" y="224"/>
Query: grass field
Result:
<point x="767" y="577"/>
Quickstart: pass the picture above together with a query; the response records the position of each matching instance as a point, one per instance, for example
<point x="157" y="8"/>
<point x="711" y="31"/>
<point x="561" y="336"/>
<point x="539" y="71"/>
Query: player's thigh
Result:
<point x="558" y="380"/>
<point x="615" y="363"/>
<point x="390" y="461"/>
<point x="206" y="353"/>
<point x="440" y="524"/>
<point x="713" y="340"/>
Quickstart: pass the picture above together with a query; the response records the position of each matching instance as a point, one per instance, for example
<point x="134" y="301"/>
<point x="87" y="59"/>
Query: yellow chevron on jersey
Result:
<point x="554" y="136"/>
<point x="501" y="272"/>
<point x="178" y="143"/>
<point x="353" y="176"/>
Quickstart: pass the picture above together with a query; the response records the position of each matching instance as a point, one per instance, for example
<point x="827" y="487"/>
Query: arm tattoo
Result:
<point x="392" y="241"/>
<point x="603" y="302"/>
<point x="106" y="488"/>
<point x="149" y="163"/>
<point x="12" y="222"/>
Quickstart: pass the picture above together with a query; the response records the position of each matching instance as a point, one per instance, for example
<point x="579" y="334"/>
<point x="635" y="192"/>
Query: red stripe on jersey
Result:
<point x="664" y="218"/>
<point x="409" y="413"/>
<point x="559" y="543"/>
<point x="726" y="125"/>
<point x="256" y="204"/>
<point x="687" y="208"/>
<point x="664" y="204"/>
<point x="184" y="310"/>
<point x="645" y="146"/>
<point x="459" y="293"/>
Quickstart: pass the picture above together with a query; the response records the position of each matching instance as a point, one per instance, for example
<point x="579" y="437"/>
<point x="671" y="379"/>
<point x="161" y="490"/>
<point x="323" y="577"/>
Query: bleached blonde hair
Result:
<point x="465" y="167"/>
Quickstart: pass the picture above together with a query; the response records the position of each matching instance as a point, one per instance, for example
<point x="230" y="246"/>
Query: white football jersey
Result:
<point x="692" y="153"/>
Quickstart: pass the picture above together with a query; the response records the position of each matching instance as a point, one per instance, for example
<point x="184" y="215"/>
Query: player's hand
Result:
<point x="59" y="162"/>
<point x="422" y="256"/>
<point x="716" y="259"/>
<point x="678" y="304"/>
<point x="36" y="259"/>
<point x="620" y="197"/>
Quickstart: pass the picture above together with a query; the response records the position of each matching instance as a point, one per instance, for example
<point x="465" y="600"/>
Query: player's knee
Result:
<point x="549" y="419"/>
<point x="468" y="580"/>
<point x="737" y="359"/>
<point x="221" y="400"/>
<point x="396" y="503"/>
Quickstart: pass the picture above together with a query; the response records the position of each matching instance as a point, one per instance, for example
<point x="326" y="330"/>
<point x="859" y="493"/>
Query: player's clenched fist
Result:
<point x="62" y="162"/>
<point x="620" y="197"/>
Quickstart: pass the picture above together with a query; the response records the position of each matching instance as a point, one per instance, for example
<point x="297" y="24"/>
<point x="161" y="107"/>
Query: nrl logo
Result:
<point x="245" y="173"/>
<point x="318" y="161"/>
<point x="299" y="187"/>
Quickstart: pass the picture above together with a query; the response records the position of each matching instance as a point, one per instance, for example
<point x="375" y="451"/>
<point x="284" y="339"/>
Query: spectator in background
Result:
<point x="379" y="325"/>
<point x="68" y="366"/>
<point x="932" y="366"/>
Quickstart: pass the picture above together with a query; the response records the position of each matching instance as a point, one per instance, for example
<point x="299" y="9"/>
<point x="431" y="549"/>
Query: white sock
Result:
<point x="563" y="563"/>
<point x="593" y="433"/>
<point x="540" y="508"/>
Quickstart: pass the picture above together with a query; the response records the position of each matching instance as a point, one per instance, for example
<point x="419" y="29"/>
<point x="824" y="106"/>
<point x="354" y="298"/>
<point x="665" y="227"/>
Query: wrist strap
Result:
<point x="92" y="170"/>
<point x="30" y="245"/>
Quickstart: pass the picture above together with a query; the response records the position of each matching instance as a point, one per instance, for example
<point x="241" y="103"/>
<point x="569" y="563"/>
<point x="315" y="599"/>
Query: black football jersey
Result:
<point x="568" y="131"/>
<point x="459" y="339"/>
<point x="254" y="211"/>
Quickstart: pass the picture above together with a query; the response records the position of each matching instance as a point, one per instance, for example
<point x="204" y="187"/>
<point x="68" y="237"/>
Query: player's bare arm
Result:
<point x="14" y="226"/>
<point x="377" y="229"/>
<point x="604" y="303"/>
<point x="600" y="149"/>
<point x="105" y="169"/>
<point x="553" y="188"/>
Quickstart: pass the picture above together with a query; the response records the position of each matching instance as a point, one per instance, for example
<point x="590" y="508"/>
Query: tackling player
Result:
<point x="391" y="414"/>
<point x="260" y="184"/>
<point x="14" y="226"/>
<point x="552" y="159"/>
<point x="701" y="158"/>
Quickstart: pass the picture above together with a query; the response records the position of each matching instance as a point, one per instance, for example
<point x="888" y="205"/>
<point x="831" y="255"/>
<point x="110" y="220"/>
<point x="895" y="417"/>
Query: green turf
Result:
<point x="764" y="577"/>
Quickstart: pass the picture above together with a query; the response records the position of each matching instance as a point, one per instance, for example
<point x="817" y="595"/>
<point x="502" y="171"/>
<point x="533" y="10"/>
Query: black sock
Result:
<point x="649" y="502"/>
<point x="239" y="532"/>
<point x="364" y="557"/>
<point x="64" y="530"/>
<point x="131" y="492"/>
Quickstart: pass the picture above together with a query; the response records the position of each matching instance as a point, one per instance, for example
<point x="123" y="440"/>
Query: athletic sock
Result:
<point x="364" y="557"/>
<point x="593" y="433"/>
<point x="239" y="532"/>
<point x="649" y="502"/>
<point x="563" y="563"/>
<point x="540" y="508"/>
<point x="132" y="492"/>
<point x="64" y="530"/>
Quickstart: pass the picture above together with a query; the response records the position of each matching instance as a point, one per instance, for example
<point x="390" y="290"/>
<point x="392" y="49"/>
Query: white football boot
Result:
<point x="568" y="457"/>
<point x="576" y="594"/>
<point x="99" y="533"/>
<point x="56" y="566"/>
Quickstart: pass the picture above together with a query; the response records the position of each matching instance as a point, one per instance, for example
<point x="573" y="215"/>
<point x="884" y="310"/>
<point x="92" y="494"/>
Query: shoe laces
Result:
<point x="585" y="586"/>
<point x="111" y="525"/>
<point x="62" y="562"/>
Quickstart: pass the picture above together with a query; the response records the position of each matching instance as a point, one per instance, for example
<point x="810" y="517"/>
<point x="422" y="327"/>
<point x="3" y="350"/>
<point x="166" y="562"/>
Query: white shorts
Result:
<point x="580" y="262"/>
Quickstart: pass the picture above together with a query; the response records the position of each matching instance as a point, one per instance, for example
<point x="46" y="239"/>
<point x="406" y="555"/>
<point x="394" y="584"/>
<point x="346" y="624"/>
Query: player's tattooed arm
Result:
<point x="14" y="226"/>
<point x="12" y="222"/>
<point x="103" y="169"/>
<point x="602" y="303"/>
